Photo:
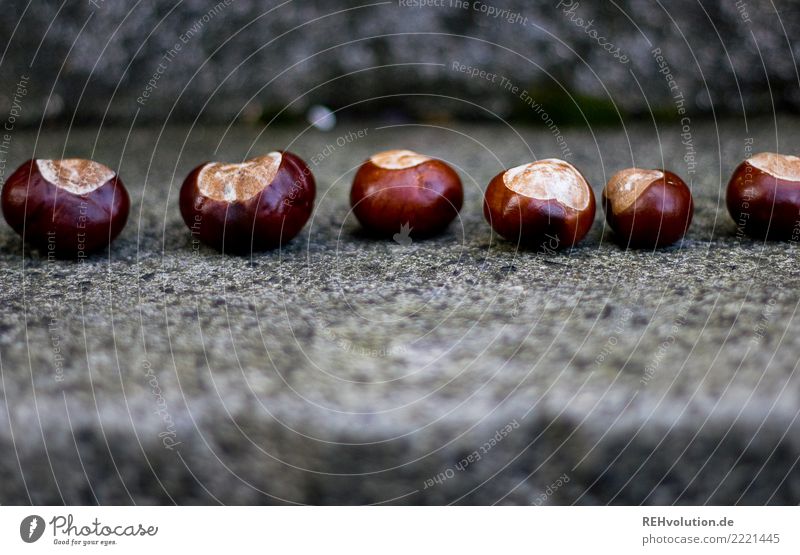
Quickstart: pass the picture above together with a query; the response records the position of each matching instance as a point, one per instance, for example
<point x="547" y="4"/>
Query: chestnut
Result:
<point x="544" y="204"/>
<point x="69" y="208"/>
<point x="259" y="204"/>
<point x="647" y="208"/>
<point x="764" y="196"/>
<point x="403" y="191"/>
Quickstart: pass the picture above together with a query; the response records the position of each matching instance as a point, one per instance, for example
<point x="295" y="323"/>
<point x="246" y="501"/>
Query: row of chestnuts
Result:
<point x="73" y="206"/>
<point x="549" y="204"/>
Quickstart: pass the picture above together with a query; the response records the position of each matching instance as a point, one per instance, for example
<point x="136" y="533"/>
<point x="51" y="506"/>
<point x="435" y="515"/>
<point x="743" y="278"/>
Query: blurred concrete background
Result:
<point x="236" y="59"/>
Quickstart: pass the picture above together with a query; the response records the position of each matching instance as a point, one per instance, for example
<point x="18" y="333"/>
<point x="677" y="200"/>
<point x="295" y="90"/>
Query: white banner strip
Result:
<point x="399" y="530"/>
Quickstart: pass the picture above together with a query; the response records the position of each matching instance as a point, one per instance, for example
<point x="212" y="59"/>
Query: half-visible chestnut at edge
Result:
<point x="69" y="207"/>
<point x="544" y="204"/>
<point x="763" y="196"/>
<point x="647" y="208"/>
<point x="259" y="204"/>
<point x="401" y="189"/>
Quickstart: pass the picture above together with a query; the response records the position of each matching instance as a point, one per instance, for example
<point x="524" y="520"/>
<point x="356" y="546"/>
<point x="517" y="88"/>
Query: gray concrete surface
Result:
<point x="455" y="370"/>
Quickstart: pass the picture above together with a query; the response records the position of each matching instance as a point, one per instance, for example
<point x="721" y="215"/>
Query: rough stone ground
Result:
<point x="348" y="370"/>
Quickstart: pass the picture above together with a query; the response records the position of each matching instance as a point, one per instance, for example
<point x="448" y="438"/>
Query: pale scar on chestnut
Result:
<point x="549" y="179"/>
<point x="75" y="175"/>
<point x="627" y="185"/>
<point x="398" y="159"/>
<point x="238" y="182"/>
<point x="782" y="166"/>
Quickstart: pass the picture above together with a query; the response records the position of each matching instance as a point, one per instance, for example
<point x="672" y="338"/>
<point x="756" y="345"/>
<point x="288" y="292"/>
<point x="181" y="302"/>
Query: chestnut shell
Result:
<point x="265" y="221"/>
<point x="426" y="197"/>
<point x="660" y="215"/>
<point x="764" y="206"/>
<point x="535" y="223"/>
<point x="59" y="221"/>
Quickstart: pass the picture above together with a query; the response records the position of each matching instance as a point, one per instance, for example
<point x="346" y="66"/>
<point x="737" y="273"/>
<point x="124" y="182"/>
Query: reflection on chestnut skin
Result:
<point x="68" y="208"/>
<point x="256" y="205"/>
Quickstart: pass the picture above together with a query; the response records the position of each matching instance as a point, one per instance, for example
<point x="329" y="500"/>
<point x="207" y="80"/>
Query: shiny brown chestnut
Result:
<point x="544" y="204"/>
<point x="255" y="205"/>
<point x="401" y="191"/>
<point x="764" y="196"/>
<point x="647" y="208"/>
<point x="68" y="208"/>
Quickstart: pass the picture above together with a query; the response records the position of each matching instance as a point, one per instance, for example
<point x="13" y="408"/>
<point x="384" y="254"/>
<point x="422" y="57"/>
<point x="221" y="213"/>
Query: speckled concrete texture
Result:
<point x="344" y="369"/>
